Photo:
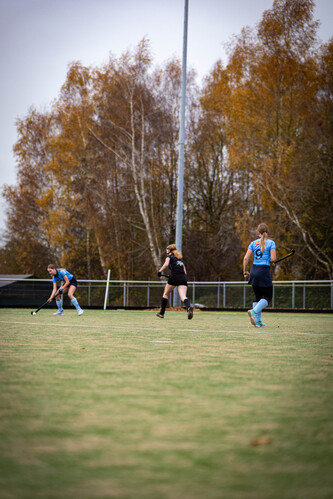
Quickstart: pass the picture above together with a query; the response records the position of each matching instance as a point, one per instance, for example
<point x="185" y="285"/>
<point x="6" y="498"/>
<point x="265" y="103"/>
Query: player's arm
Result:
<point x="54" y="291"/>
<point x="164" y="266"/>
<point x="273" y="256"/>
<point x="66" y="285"/>
<point x="246" y="259"/>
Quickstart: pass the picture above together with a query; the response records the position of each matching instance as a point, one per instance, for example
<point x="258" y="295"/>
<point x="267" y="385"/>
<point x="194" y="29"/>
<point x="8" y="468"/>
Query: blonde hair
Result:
<point x="263" y="232"/>
<point x="172" y="249"/>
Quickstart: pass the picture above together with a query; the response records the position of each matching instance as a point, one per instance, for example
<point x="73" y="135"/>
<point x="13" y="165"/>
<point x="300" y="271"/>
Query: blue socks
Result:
<point x="59" y="305"/>
<point x="76" y="303"/>
<point x="255" y="303"/>
<point x="259" y="306"/>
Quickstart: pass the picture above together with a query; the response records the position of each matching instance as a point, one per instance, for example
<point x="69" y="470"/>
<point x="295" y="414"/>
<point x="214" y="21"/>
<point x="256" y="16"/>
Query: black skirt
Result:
<point x="178" y="280"/>
<point x="260" y="275"/>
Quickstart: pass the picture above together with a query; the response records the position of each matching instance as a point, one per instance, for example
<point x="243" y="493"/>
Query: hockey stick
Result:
<point x="38" y="309"/>
<point x="284" y="257"/>
<point x="43" y="305"/>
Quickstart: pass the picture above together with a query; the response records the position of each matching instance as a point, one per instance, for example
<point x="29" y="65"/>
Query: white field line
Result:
<point x="100" y="326"/>
<point x="161" y="341"/>
<point x="111" y="326"/>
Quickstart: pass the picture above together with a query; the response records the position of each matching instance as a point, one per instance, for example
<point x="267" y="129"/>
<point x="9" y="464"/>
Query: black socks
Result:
<point x="163" y="305"/>
<point x="187" y="303"/>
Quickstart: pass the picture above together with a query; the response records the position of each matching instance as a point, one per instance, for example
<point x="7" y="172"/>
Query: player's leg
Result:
<point x="59" y="305"/>
<point x="266" y="296"/>
<point x="182" y="290"/>
<point x="258" y="295"/>
<point x="167" y="290"/>
<point x="72" y="298"/>
<point x="255" y="318"/>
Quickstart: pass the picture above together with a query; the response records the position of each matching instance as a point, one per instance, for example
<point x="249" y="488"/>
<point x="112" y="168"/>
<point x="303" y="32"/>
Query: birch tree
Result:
<point x="274" y="91"/>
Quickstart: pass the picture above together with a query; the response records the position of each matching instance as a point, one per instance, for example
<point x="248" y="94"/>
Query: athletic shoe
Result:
<point x="80" y="312"/>
<point x="160" y="315"/>
<point x="253" y="318"/>
<point x="59" y="313"/>
<point x="190" y="313"/>
<point x="261" y="324"/>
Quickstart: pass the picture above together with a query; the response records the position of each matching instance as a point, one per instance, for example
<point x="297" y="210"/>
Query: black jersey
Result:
<point x="176" y="265"/>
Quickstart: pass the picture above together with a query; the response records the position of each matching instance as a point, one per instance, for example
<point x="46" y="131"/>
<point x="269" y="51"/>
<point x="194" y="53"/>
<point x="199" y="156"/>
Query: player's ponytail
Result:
<point x="172" y="249"/>
<point x="263" y="233"/>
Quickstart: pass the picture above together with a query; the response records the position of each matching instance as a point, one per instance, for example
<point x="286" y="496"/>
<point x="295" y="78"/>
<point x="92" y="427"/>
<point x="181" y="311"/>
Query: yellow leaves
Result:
<point x="46" y="200"/>
<point x="217" y="90"/>
<point x="288" y="27"/>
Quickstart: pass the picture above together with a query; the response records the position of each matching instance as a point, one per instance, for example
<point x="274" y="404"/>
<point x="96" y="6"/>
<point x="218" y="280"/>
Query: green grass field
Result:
<point x="123" y="404"/>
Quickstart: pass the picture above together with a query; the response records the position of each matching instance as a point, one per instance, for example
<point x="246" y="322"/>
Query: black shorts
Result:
<point x="73" y="282"/>
<point x="177" y="280"/>
<point x="260" y="275"/>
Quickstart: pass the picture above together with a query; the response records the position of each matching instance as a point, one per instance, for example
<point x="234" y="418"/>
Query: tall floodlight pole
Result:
<point x="180" y="183"/>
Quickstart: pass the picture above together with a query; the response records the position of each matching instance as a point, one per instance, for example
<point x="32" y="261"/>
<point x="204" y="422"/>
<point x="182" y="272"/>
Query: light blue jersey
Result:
<point x="61" y="274"/>
<point x="265" y="257"/>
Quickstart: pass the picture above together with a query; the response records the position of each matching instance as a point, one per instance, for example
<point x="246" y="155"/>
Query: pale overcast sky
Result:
<point x="38" y="38"/>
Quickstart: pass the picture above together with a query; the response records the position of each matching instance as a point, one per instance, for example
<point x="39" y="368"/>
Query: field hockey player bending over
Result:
<point x="260" y="276"/>
<point x="69" y="287"/>
<point x="178" y="277"/>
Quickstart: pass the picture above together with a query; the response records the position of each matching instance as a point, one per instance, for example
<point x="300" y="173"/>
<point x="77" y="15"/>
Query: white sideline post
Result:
<point x="107" y="290"/>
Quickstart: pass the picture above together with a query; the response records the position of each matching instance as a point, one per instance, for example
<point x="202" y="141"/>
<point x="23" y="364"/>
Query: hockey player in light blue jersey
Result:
<point x="69" y="287"/>
<point x="260" y="278"/>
